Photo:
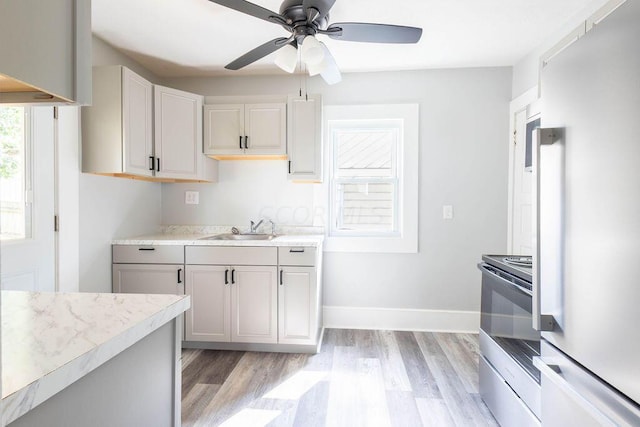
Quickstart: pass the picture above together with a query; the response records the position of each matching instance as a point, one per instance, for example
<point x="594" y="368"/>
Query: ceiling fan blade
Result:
<point x="257" y="53"/>
<point x="251" y="9"/>
<point x="322" y="6"/>
<point x="331" y="74"/>
<point x="373" y="33"/>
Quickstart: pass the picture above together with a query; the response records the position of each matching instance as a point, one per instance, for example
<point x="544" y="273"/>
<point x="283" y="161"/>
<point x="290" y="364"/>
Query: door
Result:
<point x="522" y="223"/>
<point x="589" y="210"/>
<point x="224" y="129"/>
<point x="178" y="133"/>
<point x="297" y="301"/>
<point x="266" y="129"/>
<point x="137" y="104"/>
<point x="209" y="318"/>
<point x="28" y="261"/>
<point x="148" y="279"/>
<point x="254" y="299"/>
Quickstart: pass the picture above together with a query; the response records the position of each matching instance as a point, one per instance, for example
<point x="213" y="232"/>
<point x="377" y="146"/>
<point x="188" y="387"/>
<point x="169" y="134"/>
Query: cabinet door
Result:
<point x="178" y="133"/>
<point x="265" y="128"/>
<point x="223" y="127"/>
<point x="254" y="299"/>
<point x="209" y="318"/>
<point x="297" y="305"/>
<point x="148" y="279"/>
<point x="304" y="138"/>
<point x="136" y="124"/>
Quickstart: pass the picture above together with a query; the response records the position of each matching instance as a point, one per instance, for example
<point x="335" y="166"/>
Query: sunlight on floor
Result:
<point x="251" y="417"/>
<point x="294" y="387"/>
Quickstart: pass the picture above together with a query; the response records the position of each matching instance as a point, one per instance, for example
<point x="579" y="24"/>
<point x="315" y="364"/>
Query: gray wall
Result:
<point x="463" y="161"/>
<point x="112" y="207"/>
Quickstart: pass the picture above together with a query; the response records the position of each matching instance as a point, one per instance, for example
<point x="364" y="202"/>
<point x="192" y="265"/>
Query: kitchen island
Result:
<point x="91" y="359"/>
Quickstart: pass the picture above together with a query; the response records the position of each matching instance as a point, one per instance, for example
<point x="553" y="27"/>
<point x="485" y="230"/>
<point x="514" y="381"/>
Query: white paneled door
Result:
<point x="29" y="264"/>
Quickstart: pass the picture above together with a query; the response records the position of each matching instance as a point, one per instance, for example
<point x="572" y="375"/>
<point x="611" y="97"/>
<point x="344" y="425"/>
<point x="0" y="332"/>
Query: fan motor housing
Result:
<point x="295" y="15"/>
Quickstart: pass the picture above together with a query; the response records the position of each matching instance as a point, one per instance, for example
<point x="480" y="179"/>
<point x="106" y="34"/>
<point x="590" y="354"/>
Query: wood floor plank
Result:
<point x="195" y="401"/>
<point x="434" y="413"/>
<point x="209" y="367"/>
<point x="403" y="410"/>
<point x="356" y="395"/>
<point x="462" y="407"/>
<point x="464" y="362"/>
<point x="312" y="407"/>
<point x="393" y="369"/>
<point x="188" y="355"/>
<point x="420" y="376"/>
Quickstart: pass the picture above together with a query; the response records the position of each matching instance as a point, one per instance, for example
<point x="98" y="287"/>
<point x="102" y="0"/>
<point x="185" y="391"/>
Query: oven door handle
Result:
<point x="485" y="268"/>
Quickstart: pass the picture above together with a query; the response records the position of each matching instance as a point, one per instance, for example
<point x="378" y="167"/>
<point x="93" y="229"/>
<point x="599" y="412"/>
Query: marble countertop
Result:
<point x="196" y="239"/>
<point x="50" y="340"/>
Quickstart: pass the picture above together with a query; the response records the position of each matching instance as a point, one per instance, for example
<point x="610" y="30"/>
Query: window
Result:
<point x="15" y="207"/>
<point x="372" y="186"/>
<point x="365" y="177"/>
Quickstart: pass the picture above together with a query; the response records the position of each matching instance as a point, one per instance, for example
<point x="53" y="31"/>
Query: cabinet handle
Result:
<point x="158" y="164"/>
<point x="152" y="162"/>
<point x="246" y="141"/>
<point x="226" y="276"/>
<point x="146" y="249"/>
<point x="296" y="251"/>
<point x="179" y="278"/>
<point x="289" y="166"/>
<point x="233" y="276"/>
<point x="281" y="280"/>
<point x="241" y="142"/>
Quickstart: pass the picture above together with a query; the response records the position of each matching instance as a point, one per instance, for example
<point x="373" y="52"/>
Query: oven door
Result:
<point x="506" y="307"/>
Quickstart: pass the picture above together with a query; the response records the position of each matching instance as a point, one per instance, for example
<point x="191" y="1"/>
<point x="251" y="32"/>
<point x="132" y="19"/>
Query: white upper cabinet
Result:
<point x="241" y="130"/>
<point x="45" y="51"/>
<point x="178" y="133"/>
<point x="117" y="130"/>
<point x="304" y="143"/>
<point x="136" y="129"/>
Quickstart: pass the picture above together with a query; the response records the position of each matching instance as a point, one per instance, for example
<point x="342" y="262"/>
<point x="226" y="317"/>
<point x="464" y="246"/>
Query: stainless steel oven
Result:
<point x="509" y="382"/>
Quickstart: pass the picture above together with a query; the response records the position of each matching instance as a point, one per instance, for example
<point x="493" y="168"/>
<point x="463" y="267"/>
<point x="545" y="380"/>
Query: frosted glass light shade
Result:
<point x="287" y="58"/>
<point x="312" y="51"/>
<point x="330" y="73"/>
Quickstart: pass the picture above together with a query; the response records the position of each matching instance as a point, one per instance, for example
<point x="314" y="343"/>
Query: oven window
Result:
<point x="506" y="317"/>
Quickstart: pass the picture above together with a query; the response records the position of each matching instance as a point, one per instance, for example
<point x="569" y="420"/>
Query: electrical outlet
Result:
<point x="447" y="212"/>
<point x="192" y="197"/>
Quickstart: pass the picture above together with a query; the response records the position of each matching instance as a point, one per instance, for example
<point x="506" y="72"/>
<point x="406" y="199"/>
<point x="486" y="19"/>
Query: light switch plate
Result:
<point x="447" y="212"/>
<point x="192" y="197"/>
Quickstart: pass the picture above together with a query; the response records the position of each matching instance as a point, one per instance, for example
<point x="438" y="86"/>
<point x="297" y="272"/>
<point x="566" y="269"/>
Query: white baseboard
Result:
<point x="400" y="319"/>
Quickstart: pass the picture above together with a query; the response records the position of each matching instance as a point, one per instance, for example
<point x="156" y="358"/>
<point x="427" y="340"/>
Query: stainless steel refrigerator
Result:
<point x="587" y="258"/>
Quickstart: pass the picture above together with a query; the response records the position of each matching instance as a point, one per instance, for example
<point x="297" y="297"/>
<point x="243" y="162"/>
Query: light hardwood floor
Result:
<point x="360" y="378"/>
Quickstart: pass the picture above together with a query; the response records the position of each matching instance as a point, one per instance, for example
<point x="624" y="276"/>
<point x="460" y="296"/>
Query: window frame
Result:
<point x="406" y="238"/>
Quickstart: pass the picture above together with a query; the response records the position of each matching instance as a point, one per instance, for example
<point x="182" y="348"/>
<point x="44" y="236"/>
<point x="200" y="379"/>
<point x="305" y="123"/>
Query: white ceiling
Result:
<point x="174" y="38"/>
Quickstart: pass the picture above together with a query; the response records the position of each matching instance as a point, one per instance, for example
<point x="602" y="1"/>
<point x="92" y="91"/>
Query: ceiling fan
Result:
<point x="304" y="19"/>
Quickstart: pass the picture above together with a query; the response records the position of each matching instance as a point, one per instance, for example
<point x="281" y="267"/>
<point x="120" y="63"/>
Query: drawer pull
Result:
<point x="296" y="251"/>
<point x="146" y="249"/>
<point x="233" y="276"/>
<point x="179" y="275"/>
<point x="281" y="281"/>
<point x="226" y="276"/>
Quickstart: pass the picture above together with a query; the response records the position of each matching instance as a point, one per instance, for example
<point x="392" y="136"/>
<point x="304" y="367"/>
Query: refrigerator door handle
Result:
<point x="553" y="373"/>
<point x="541" y="322"/>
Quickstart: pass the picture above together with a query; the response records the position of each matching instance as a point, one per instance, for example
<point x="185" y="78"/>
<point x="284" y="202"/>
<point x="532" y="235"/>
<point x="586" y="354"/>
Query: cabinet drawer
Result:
<point x="297" y="255"/>
<point x="141" y="254"/>
<point x="246" y="255"/>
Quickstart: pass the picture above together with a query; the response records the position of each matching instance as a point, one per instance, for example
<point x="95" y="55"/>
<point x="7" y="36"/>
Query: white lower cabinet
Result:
<point x="297" y="299"/>
<point x="148" y="279"/>
<point x="232" y="303"/>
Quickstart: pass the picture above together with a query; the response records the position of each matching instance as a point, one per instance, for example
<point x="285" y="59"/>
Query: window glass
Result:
<point x="365" y="177"/>
<point x="14" y="207"/>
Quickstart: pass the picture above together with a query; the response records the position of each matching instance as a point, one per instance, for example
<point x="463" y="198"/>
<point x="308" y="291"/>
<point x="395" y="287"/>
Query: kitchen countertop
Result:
<point x="196" y="239"/>
<point x="51" y="340"/>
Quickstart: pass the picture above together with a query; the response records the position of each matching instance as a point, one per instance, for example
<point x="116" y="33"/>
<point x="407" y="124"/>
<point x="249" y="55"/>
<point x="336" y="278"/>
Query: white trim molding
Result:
<point x="401" y="319"/>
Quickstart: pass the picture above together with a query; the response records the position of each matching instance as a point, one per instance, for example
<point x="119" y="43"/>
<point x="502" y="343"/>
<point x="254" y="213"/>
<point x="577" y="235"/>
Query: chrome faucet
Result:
<point x="254" y="227"/>
<point x="273" y="227"/>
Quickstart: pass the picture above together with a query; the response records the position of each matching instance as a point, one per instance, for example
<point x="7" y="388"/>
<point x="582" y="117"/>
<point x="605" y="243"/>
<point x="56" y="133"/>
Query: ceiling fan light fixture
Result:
<point x="287" y="58"/>
<point x="312" y="51"/>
